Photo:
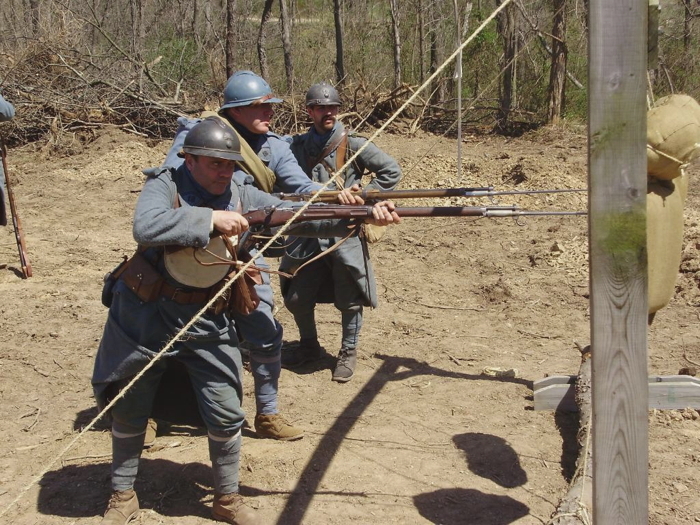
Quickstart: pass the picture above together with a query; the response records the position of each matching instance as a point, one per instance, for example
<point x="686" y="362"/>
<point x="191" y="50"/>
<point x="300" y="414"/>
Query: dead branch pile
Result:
<point x="64" y="96"/>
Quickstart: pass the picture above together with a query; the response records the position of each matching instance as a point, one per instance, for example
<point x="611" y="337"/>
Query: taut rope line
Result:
<point x="243" y="268"/>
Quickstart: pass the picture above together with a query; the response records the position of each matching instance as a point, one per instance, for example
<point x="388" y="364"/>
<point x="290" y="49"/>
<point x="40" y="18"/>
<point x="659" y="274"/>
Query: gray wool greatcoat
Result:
<point x="135" y="330"/>
<point x="352" y="253"/>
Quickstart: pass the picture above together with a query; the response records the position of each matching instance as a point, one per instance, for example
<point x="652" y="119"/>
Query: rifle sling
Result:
<point x="340" y="143"/>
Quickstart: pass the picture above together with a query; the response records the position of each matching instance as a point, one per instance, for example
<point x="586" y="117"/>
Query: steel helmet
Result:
<point x="213" y="138"/>
<point x="322" y="94"/>
<point x="245" y="88"/>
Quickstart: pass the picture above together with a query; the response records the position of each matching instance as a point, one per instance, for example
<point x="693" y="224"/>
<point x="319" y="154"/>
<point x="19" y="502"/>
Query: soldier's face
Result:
<point x="323" y="117"/>
<point x="255" y="118"/>
<point x="211" y="173"/>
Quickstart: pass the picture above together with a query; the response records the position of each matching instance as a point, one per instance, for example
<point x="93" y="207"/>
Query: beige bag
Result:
<point x="373" y="233"/>
<point x="673" y="136"/>
<point x="664" y="238"/>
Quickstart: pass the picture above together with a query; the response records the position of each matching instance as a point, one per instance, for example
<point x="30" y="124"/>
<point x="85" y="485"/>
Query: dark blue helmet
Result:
<point x="245" y="88"/>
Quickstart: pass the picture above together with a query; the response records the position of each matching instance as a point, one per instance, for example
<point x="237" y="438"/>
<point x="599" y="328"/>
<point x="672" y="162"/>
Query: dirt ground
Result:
<point x="420" y="435"/>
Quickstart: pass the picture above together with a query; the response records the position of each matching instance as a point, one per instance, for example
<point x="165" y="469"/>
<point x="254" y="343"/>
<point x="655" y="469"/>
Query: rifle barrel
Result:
<point x="484" y="191"/>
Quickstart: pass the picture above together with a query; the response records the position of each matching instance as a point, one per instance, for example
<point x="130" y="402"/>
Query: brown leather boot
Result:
<point x="274" y="426"/>
<point x="123" y="506"/>
<point x="151" y="432"/>
<point x="231" y="508"/>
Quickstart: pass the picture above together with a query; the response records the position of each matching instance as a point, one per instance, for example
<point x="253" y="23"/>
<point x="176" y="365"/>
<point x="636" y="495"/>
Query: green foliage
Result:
<point x="180" y="60"/>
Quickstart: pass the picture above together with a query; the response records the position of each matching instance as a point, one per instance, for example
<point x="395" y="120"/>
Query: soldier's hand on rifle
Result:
<point x="383" y="214"/>
<point x="346" y="195"/>
<point x="229" y="222"/>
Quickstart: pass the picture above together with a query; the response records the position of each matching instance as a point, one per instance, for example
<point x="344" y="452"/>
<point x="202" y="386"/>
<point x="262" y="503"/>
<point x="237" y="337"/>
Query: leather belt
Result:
<point x="181" y="296"/>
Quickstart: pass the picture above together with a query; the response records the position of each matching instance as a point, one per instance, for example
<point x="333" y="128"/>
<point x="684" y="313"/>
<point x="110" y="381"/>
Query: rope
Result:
<point x="243" y="268"/>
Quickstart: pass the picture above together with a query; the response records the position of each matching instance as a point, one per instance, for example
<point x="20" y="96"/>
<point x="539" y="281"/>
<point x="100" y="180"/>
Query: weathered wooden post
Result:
<point x="617" y="229"/>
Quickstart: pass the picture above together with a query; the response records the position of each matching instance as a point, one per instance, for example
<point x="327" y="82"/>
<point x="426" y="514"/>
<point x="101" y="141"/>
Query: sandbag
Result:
<point x="665" y="202"/>
<point x="673" y="136"/>
<point x="686" y="102"/>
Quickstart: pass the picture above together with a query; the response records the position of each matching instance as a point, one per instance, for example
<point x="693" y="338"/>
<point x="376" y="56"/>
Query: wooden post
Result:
<point x="618" y="260"/>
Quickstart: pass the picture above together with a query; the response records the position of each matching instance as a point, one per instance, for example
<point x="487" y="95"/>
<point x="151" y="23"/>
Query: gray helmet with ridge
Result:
<point x="322" y="94"/>
<point x="245" y="88"/>
<point x="212" y="138"/>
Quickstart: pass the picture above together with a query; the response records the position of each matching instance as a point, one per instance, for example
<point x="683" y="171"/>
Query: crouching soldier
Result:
<point x="184" y="214"/>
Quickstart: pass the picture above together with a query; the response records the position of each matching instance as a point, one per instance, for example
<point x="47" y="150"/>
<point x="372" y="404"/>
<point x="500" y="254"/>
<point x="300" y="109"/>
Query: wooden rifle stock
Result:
<point x="484" y="191"/>
<point x="16" y="223"/>
<point x="272" y="217"/>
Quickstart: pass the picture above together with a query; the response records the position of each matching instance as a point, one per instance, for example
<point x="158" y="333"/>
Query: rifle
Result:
<point x="272" y="216"/>
<point x="483" y="191"/>
<point x="19" y="234"/>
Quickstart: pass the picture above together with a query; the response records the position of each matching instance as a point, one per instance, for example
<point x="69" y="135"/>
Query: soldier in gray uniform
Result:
<point x="248" y="107"/>
<point x="7" y="112"/>
<point x="343" y="276"/>
<point x="179" y="210"/>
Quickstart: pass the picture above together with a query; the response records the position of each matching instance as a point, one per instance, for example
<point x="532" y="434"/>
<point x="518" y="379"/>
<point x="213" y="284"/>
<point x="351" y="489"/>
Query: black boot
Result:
<point x="306" y="351"/>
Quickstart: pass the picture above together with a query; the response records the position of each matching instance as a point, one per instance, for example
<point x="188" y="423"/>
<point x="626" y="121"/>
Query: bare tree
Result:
<point x="421" y="39"/>
<point x="34" y="16"/>
<point x="138" y="37"/>
<point x="557" y="72"/>
<point x="287" y="44"/>
<point x="394" y="4"/>
<point x="506" y="25"/>
<point x="262" y="54"/>
<point x="230" y="47"/>
<point x="339" y="61"/>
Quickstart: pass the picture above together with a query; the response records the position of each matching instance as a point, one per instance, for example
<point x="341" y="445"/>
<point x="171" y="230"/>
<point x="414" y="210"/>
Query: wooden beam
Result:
<point x="665" y="392"/>
<point x="617" y="250"/>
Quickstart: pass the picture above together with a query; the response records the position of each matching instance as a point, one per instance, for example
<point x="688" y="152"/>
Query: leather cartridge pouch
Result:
<point x="142" y="278"/>
<point x="243" y="299"/>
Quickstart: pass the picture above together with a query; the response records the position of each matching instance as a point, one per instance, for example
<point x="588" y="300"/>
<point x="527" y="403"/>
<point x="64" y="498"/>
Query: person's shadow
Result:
<point x="168" y="488"/>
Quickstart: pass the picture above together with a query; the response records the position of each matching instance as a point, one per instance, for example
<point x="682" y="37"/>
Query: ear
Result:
<point x="189" y="161"/>
<point x="310" y="112"/>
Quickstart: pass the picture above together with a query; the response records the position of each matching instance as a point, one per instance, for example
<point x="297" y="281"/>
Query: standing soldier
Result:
<point x="343" y="276"/>
<point x="248" y="108"/>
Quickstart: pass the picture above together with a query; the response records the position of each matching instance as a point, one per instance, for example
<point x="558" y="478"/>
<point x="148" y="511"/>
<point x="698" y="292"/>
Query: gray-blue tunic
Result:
<point x="135" y="330"/>
<point x="353" y="253"/>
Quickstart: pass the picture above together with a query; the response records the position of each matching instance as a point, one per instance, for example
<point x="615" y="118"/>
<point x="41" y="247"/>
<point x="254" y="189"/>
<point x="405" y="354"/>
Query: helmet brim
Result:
<point x="250" y="102"/>
<point x="206" y="152"/>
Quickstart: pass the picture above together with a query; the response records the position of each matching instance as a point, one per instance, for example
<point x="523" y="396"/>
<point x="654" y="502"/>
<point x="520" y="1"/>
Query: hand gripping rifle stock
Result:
<point x="271" y="217"/>
<point x="372" y="194"/>
<point x="16" y="223"/>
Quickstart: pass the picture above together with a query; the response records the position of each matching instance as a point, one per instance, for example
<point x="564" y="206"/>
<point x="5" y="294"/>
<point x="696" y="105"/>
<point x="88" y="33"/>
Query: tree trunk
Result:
<point x="557" y="73"/>
<point x="339" y="60"/>
<point x="576" y="505"/>
<point x="506" y="25"/>
<point x="262" y="54"/>
<point x="421" y="40"/>
<point x="34" y="16"/>
<point x="436" y="89"/>
<point x="138" y="37"/>
<point x="287" y="45"/>
<point x="686" y="26"/>
<point x="230" y="37"/>
<point x="397" y="41"/>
